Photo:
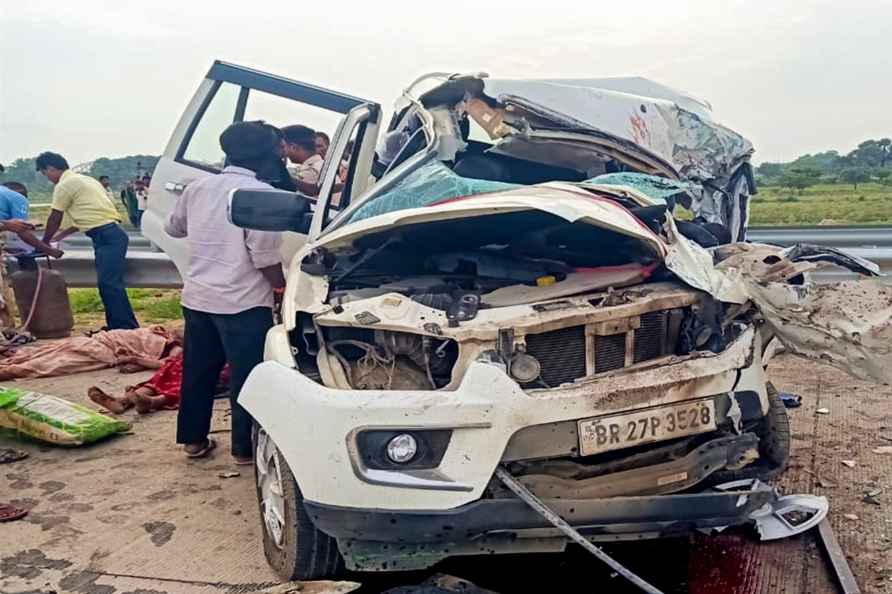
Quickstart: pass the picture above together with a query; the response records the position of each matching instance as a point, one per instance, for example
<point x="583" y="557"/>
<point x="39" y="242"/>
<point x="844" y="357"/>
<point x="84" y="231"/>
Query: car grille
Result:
<point x="650" y="337"/>
<point x="562" y="353"/>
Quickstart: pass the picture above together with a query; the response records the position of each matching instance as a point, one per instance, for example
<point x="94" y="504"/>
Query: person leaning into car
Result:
<point x="228" y="290"/>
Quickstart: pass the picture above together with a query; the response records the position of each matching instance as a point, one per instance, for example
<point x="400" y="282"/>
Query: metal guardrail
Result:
<point x="145" y="269"/>
<point x="832" y="236"/>
<point x="153" y="269"/>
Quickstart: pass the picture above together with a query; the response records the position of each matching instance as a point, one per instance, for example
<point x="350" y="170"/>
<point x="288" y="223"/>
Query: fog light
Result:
<point x="402" y="448"/>
<point x="524" y="368"/>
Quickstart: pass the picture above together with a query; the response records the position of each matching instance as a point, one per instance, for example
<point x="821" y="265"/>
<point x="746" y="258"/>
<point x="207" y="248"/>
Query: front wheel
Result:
<point x="773" y="431"/>
<point x="294" y="547"/>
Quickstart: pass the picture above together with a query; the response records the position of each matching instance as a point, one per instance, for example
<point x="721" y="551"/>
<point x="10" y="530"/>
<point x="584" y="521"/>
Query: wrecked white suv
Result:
<point x="498" y="281"/>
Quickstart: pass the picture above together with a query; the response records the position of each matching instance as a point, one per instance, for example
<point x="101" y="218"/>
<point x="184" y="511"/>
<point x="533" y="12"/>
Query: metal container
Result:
<point x="52" y="310"/>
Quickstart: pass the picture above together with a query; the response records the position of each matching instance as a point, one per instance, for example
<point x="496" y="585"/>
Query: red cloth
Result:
<point x="169" y="378"/>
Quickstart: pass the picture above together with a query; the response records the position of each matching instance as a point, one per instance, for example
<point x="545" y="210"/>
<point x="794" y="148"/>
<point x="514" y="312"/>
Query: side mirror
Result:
<point x="270" y="210"/>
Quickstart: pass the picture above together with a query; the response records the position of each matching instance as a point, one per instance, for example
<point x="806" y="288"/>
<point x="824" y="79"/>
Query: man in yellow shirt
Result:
<point x="83" y="201"/>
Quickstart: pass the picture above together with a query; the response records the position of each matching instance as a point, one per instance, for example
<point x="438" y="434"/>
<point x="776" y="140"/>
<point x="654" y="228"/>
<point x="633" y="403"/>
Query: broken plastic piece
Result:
<point x="786" y="516"/>
<point x="790" y="400"/>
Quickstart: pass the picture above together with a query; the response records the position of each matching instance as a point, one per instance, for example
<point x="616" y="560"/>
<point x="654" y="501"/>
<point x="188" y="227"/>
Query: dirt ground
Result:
<point x="131" y="516"/>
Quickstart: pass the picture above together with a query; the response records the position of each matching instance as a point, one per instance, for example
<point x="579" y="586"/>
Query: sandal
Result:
<point x="8" y="513"/>
<point x="9" y="455"/>
<point x="203" y="452"/>
<point x="243" y="461"/>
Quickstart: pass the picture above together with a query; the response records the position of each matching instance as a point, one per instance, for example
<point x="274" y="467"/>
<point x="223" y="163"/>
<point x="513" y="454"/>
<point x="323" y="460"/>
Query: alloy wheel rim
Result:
<point x="269" y="481"/>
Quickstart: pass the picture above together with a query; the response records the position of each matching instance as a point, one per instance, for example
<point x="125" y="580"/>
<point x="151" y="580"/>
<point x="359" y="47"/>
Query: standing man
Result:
<point x="14" y="212"/>
<point x="89" y="208"/>
<point x="300" y="148"/>
<point x="322" y="144"/>
<point x="228" y="291"/>
<point x="106" y="185"/>
<point x="142" y="200"/>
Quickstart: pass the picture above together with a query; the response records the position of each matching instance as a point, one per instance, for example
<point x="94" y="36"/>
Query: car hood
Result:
<point x="848" y="325"/>
<point x="564" y="200"/>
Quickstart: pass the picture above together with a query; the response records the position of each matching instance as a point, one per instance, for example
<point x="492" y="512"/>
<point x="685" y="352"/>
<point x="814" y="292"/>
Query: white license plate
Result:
<point x="602" y="434"/>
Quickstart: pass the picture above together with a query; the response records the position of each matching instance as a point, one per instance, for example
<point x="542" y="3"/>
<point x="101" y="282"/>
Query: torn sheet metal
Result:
<point x="805" y="252"/>
<point x="847" y="324"/>
<point x="694" y="265"/>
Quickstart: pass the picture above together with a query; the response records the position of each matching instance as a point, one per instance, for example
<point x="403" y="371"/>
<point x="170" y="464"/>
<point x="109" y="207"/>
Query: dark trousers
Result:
<point x="110" y="249"/>
<point x="210" y="341"/>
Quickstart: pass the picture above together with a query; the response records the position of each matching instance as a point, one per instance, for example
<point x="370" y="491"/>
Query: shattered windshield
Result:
<point x="426" y="185"/>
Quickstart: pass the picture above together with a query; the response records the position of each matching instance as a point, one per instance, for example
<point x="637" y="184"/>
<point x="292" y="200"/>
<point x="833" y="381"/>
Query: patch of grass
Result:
<point x="838" y="203"/>
<point x="152" y="306"/>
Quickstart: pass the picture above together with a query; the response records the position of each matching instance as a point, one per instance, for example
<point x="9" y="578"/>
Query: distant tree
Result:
<point x="800" y="178"/>
<point x="770" y="170"/>
<point x="886" y="148"/>
<point x="884" y="176"/>
<point x="23" y="171"/>
<point x="854" y="176"/>
<point x="826" y="162"/>
<point x="870" y="153"/>
<point x="123" y="169"/>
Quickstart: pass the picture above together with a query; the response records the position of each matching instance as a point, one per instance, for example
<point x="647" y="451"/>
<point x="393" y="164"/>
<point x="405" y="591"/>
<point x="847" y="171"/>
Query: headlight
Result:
<point x="402" y="448"/>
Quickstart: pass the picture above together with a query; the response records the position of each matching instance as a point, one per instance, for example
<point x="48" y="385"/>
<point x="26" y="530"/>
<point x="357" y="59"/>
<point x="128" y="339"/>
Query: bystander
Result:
<point x="87" y="205"/>
<point x="228" y="289"/>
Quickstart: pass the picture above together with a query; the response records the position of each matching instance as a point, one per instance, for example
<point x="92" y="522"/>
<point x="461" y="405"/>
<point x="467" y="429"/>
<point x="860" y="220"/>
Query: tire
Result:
<point x="773" y="431"/>
<point x="300" y="551"/>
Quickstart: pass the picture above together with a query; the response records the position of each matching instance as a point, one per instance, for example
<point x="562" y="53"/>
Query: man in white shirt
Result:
<point x="228" y="290"/>
<point x="300" y="148"/>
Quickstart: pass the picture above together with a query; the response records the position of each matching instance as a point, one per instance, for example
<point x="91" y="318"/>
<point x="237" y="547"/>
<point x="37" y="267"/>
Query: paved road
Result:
<point x="131" y="515"/>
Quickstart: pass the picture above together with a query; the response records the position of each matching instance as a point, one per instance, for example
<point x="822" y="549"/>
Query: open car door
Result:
<point x="232" y="93"/>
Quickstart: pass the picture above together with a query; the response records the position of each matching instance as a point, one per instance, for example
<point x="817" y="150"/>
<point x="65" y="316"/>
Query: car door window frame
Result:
<point x="193" y="126"/>
<point x="249" y="79"/>
<point x="361" y="118"/>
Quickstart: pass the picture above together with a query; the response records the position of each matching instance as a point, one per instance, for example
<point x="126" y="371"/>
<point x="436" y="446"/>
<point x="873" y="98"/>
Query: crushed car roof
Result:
<point x="670" y="124"/>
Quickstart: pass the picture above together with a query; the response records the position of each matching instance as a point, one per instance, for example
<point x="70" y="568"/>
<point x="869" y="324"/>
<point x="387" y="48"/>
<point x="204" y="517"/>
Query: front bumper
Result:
<point x="314" y="427"/>
<point x="376" y="539"/>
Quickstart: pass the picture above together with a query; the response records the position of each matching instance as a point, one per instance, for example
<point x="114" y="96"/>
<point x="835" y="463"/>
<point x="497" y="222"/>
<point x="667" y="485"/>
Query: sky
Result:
<point x="91" y="78"/>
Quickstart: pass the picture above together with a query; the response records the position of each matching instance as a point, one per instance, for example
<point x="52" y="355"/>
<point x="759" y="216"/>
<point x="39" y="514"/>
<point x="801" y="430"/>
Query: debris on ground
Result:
<point x="314" y="587"/>
<point x="849" y="463"/>
<point x="823" y="411"/>
<point x="851" y="517"/>
<point x="883" y="450"/>
<point x="872" y="496"/>
<point x="8" y="455"/>
<point x="52" y="419"/>
<point x="790" y="400"/>
<point x="227" y="475"/>
<point x="10" y="513"/>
